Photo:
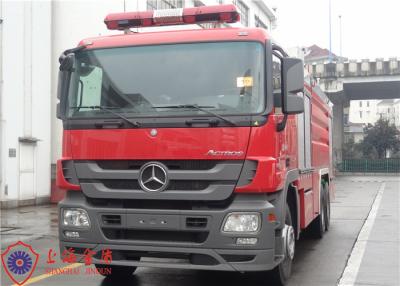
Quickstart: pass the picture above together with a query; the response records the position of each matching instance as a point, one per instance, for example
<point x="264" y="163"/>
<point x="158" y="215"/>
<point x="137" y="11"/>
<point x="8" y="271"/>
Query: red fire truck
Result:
<point x="193" y="148"/>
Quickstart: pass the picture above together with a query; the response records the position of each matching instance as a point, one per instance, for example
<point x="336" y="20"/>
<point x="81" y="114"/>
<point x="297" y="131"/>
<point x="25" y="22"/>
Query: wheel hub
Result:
<point x="289" y="241"/>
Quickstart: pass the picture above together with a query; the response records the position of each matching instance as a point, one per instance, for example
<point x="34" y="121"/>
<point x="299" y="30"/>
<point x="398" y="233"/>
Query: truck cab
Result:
<point x="188" y="148"/>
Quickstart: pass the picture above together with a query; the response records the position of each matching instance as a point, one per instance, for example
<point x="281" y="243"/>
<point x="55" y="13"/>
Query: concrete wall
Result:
<point x="26" y="101"/>
<point x="338" y="132"/>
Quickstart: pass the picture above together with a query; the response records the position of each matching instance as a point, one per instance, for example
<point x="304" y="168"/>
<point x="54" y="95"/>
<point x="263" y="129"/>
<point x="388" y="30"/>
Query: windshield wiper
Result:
<point x="109" y="109"/>
<point x="201" y="108"/>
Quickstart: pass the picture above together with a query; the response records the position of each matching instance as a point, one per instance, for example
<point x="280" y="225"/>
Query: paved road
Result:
<point x="361" y="248"/>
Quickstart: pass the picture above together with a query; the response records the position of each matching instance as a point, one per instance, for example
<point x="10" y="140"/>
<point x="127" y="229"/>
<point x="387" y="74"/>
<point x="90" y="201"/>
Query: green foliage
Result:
<point x="352" y="150"/>
<point x="396" y="155"/>
<point x="379" y="139"/>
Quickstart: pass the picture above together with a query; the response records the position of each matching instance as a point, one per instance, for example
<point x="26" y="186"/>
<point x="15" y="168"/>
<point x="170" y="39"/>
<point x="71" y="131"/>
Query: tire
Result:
<point x="117" y="271"/>
<point x="318" y="226"/>
<point x="327" y="207"/>
<point x="281" y="273"/>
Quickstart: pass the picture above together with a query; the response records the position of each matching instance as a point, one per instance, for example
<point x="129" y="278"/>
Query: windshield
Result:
<point x="224" y="77"/>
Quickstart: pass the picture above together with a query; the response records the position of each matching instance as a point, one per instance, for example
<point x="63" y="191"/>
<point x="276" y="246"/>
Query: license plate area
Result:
<point x="146" y="221"/>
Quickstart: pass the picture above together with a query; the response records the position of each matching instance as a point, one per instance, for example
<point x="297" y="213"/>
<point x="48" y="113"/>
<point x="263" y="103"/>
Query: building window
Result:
<point x="260" y="24"/>
<point x="360" y="103"/>
<point x="360" y="114"/>
<point x="164" y="4"/>
<point x="367" y="103"/>
<point x="244" y="12"/>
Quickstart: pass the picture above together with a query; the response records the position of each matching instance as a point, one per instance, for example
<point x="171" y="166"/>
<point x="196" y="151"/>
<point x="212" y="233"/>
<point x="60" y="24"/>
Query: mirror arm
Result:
<point x="71" y="51"/>
<point x="281" y="125"/>
<point x="279" y="52"/>
<point x="279" y="49"/>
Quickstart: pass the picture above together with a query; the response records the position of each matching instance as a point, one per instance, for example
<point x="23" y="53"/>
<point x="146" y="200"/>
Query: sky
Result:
<point x="370" y="28"/>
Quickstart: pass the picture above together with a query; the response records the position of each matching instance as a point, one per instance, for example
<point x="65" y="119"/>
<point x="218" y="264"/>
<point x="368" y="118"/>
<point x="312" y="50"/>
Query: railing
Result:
<point x="353" y="68"/>
<point x="390" y="165"/>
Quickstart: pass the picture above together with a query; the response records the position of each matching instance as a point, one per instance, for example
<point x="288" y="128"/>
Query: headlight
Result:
<point x="76" y="217"/>
<point x="242" y="222"/>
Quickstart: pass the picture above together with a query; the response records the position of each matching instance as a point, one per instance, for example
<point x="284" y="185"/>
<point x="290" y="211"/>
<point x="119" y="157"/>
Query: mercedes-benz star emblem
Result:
<point x="153" y="177"/>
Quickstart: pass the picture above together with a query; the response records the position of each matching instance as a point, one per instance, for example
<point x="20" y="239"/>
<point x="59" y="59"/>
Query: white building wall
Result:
<point x="26" y="101"/>
<point x="363" y="111"/>
<point x="387" y="111"/>
<point x="2" y="121"/>
<point x="257" y="10"/>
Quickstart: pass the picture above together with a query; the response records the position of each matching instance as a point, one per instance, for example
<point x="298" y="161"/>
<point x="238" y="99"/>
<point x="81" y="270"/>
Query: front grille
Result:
<point x="196" y="222"/>
<point x="160" y="204"/>
<point x="173" y="185"/>
<point x="201" y="180"/>
<point x="171" y="164"/>
<point x="111" y="219"/>
<point x="155" y="235"/>
<point x="188" y="185"/>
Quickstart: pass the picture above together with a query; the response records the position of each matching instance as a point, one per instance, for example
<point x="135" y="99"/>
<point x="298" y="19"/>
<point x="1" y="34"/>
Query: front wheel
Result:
<point x="281" y="273"/>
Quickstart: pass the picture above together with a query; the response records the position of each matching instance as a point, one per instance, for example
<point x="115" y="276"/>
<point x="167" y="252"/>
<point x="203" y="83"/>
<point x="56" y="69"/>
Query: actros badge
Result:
<point x="224" y="153"/>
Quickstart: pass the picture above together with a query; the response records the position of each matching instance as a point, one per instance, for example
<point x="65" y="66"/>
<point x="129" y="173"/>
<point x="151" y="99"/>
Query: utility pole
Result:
<point x="330" y="31"/>
<point x="340" y="34"/>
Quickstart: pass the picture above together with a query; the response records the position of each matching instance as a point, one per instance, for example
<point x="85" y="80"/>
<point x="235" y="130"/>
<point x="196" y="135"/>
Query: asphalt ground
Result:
<point x="361" y="247"/>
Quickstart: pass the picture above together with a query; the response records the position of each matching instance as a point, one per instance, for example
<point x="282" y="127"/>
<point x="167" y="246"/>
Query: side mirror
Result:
<point x="58" y="112"/>
<point x="67" y="62"/>
<point x="62" y="92"/>
<point x="292" y="83"/>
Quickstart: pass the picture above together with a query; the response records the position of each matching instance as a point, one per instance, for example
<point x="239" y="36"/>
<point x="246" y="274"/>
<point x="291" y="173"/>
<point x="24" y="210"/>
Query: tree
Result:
<point x="352" y="150"/>
<point x="380" y="138"/>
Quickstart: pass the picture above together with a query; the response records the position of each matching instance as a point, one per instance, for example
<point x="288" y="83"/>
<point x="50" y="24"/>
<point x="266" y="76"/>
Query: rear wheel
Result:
<point x="327" y="207"/>
<point x="115" y="271"/>
<point x="281" y="273"/>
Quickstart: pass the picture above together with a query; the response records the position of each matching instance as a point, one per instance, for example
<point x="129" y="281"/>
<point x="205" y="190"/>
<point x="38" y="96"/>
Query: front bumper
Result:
<point x="167" y="238"/>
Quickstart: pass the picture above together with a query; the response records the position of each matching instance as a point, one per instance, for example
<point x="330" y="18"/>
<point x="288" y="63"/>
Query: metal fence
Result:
<point x="390" y="165"/>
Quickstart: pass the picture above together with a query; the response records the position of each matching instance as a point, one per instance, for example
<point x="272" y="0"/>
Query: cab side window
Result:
<point x="277" y="83"/>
